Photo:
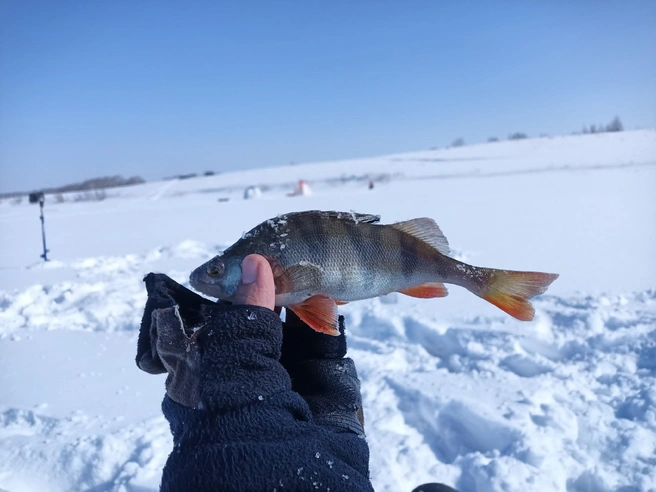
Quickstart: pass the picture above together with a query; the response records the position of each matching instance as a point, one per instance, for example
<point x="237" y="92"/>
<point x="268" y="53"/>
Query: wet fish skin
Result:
<point x="320" y="257"/>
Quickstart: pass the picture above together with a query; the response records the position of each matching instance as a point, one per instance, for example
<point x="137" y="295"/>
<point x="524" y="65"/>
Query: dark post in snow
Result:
<point x="43" y="230"/>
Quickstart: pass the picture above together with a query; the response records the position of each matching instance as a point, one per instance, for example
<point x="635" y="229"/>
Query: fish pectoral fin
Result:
<point x="427" y="290"/>
<point x="302" y="276"/>
<point x="341" y="303"/>
<point x="319" y="313"/>
<point x="426" y="230"/>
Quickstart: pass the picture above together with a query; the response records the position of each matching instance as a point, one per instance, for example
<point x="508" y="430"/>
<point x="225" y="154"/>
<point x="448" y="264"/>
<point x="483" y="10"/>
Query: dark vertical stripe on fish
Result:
<point x="377" y="254"/>
<point x="320" y="241"/>
<point x="408" y="252"/>
<point x="358" y="242"/>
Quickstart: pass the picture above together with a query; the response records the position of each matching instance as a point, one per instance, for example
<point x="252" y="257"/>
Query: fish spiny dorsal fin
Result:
<point x="352" y="217"/>
<point x="427" y="230"/>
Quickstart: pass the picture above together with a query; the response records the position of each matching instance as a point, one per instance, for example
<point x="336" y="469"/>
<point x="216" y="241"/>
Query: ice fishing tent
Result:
<point x="252" y="192"/>
<point x="302" y="189"/>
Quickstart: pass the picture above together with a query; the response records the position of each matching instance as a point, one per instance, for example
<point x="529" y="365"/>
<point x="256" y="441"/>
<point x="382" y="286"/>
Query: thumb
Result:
<point x="256" y="287"/>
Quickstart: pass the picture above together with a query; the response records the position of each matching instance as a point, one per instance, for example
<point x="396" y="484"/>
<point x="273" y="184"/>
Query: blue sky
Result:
<point x="156" y="88"/>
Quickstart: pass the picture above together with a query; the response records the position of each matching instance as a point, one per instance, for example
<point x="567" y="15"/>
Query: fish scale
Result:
<point x="319" y="258"/>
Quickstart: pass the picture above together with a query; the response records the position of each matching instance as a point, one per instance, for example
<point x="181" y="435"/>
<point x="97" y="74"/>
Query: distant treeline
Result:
<point x="88" y="185"/>
<point x="614" y="126"/>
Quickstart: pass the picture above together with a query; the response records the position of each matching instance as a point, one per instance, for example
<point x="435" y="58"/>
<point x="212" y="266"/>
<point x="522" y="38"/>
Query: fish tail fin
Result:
<point x="510" y="291"/>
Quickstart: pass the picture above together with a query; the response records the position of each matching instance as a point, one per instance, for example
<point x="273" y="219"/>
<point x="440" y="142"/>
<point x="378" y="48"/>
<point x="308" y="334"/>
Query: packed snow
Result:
<point x="454" y="390"/>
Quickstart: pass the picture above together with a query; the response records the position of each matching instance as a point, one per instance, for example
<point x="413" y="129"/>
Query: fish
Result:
<point x="322" y="259"/>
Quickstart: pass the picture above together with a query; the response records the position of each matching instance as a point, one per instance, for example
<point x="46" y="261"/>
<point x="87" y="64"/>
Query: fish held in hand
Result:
<point x="322" y="259"/>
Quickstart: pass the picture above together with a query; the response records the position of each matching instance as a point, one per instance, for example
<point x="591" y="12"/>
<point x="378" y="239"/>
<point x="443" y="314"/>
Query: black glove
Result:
<point x="322" y="375"/>
<point x="197" y="341"/>
<point x="236" y="422"/>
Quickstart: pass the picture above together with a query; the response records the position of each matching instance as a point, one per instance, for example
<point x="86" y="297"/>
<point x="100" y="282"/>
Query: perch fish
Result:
<point x="322" y="259"/>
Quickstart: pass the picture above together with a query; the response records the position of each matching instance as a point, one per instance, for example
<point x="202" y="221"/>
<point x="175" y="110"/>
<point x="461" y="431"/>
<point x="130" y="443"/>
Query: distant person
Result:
<point x="253" y="403"/>
<point x="371" y="185"/>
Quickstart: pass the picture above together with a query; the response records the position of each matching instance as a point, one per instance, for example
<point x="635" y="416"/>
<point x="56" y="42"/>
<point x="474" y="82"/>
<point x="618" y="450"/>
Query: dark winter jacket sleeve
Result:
<point x="250" y="430"/>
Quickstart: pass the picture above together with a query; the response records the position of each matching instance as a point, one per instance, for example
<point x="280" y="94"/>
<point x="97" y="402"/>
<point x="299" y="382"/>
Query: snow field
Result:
<point x="454" y="390"/>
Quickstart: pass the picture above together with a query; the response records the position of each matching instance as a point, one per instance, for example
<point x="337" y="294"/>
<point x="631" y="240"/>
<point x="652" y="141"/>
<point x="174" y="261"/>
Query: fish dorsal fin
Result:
<point x="427" y="230"/>
<point x="351" y="216"/>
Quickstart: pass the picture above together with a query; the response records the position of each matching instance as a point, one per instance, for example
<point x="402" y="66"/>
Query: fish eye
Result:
<point x="215" y="268"/>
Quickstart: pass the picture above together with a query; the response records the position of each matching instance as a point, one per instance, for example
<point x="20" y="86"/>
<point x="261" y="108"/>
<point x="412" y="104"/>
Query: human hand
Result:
<point x="256" y="287"/>
<point x="190" y="338"/>
<point x="315" y="362"/>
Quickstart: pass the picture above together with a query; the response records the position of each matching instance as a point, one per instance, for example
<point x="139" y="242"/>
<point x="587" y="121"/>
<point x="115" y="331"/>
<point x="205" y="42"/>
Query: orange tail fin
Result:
<point x="510" y="291"/>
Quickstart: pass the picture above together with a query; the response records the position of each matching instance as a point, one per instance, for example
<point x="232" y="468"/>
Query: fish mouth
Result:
<point x="195" y="278"/>
<point x="200" y="282"/>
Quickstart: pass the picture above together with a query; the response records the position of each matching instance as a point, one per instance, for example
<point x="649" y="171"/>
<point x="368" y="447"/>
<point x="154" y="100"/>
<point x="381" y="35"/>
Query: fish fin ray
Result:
<point x="428" y="290"/>
<point x="427" y="230"/>
<point x="352" y="217"/>
<point x="319" y="313"/>
<point x="510" y="291"/>
<point x="299" y="277"/>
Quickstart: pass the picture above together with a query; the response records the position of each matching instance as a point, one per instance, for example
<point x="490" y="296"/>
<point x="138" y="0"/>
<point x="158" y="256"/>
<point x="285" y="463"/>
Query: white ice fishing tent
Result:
<point x="252" y="192"/>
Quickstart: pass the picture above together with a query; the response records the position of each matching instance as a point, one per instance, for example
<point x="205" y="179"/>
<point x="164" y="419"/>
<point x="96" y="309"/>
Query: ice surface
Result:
<point x="454" y="390"/>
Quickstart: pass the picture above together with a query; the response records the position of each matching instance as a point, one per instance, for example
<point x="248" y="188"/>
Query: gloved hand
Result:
<point x="175" y="321"/>
<point x="236" y="421"/>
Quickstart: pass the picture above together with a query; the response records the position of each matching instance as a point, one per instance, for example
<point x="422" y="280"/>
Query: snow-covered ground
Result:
<point x="454" y="390"/>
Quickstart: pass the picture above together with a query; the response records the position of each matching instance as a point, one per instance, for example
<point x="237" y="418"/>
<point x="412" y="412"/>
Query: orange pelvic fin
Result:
<point x="510" y="291"/>
<point x="427" y="290"/>
<point x="319" y="313"/>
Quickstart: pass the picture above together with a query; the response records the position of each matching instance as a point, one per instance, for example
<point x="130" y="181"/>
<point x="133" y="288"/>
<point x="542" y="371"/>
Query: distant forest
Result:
<point x="615" y="125"/>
